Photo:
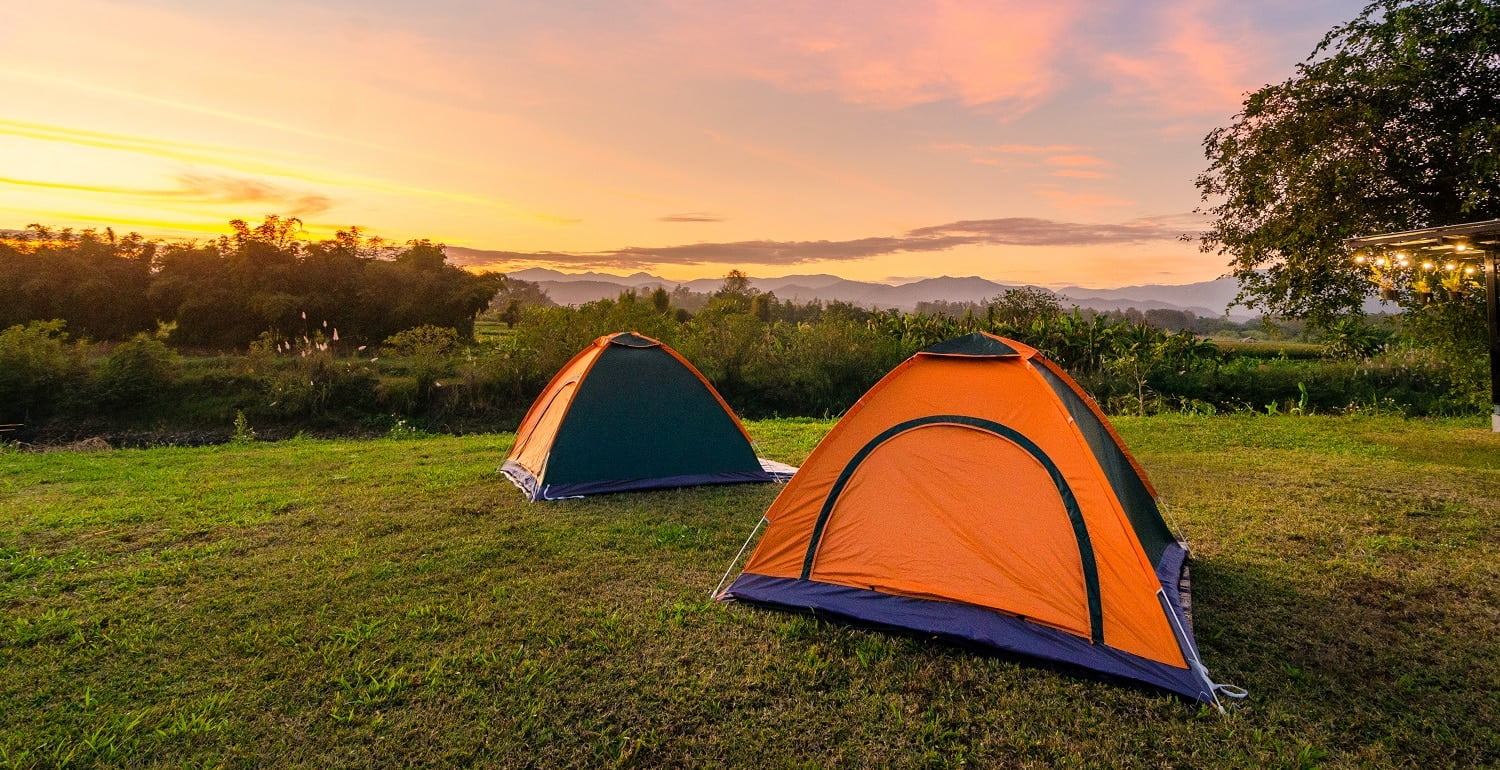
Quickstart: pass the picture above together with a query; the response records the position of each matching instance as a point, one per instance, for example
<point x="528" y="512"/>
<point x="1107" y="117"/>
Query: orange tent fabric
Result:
<point x="977" y="479"/>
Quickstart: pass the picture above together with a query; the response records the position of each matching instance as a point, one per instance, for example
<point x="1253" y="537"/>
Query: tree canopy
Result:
<point x="1391" y="124"/>
<point x="227" y="292"/>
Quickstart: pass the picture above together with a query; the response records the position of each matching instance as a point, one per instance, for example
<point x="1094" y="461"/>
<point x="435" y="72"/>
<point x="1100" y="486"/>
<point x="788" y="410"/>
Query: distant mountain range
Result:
<point x="1208" y="298"/>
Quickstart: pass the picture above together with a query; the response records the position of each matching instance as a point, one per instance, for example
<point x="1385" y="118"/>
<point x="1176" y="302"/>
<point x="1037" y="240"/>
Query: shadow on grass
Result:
<point x="1390" y="666"/>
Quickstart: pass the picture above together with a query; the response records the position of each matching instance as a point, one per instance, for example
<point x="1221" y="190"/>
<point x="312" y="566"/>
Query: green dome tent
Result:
<point x="627" y="413"/>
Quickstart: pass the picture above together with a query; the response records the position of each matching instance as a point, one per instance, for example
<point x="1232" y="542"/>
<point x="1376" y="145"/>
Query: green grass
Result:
<point x="1272" y="349"/>
<point x="491" y="331"/>
<point x="395" y="602"/>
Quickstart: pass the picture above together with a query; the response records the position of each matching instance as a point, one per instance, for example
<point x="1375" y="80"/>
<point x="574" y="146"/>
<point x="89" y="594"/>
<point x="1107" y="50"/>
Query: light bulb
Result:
<point x="1360" y="259"/>
<point x="1450" y="266"/>
<point x="1426" y="265"/>
<point x="1468" y="271"/>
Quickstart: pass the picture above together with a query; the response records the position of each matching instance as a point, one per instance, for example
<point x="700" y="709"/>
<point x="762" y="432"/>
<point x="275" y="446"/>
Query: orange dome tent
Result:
<point x="977" y="493"/>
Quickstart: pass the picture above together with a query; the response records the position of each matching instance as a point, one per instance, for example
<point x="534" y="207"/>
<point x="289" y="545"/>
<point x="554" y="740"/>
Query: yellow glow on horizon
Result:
<point x="171" y="230"/>
<point x="148" y="227"/>
<point x="244" y="161"/>
<point x="137" y="96"/>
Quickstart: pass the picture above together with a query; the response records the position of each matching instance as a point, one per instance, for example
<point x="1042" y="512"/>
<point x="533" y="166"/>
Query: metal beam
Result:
<point x="1428" y="234"/>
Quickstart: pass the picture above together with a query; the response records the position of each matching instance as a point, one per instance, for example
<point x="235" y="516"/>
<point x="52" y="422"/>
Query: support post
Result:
<point x="1492" y="303"/>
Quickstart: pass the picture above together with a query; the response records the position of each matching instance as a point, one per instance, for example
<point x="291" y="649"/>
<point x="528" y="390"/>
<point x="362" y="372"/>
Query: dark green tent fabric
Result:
<point x="1140" y="506"/>
<point x="629" y="413"/>
<point x="976" y="344"/>
<point x="640" y="414"/>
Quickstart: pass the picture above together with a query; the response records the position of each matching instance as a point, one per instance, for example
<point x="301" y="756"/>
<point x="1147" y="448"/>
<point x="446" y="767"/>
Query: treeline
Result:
<point x="768" y="357"/>
<point x="229" y="291"/>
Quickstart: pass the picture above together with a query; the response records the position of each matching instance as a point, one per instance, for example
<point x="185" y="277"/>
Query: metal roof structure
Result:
<point x="1473" y="246"/>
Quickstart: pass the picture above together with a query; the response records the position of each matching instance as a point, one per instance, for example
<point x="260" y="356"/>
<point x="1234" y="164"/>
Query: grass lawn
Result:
<point x="396" y="602"/>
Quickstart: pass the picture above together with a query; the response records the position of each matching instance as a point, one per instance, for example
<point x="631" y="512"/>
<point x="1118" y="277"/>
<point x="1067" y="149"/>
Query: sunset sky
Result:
<point x="1046" y="142"/>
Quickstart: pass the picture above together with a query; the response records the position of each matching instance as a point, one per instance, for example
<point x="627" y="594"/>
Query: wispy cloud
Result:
<point x="691" y="216"/>
<point x="202" y="188"/>
<point x="233" y="190"/>
<point x="1011" y="231"/>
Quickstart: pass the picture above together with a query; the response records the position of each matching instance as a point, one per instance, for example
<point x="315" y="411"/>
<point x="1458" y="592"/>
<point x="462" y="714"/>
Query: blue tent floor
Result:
<point x="770" y="470"/>
<point x="780" y="472"/>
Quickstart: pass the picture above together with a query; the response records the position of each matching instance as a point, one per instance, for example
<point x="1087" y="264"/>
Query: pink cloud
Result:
<point x="1203" y="63"/>
<point x="888" y="54"/>
<point x="1076" y="159"/>
<point x="1005" y="149"/>
<point x="1028" y="156"/>
<point x="1078" y="173"/>
<point x="1080" y="201"/>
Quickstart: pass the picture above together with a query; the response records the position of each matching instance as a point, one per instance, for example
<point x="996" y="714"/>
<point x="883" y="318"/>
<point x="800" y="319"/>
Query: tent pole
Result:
<point x="737" y="556"/>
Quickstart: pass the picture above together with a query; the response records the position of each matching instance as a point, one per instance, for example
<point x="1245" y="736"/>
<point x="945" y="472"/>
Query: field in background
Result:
<point x="395" y="601"/>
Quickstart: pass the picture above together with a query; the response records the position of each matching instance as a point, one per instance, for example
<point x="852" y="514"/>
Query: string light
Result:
<point x="1427" y="265"/>
<point x="1360" y="259"/>
<point x="1450" y="266"/>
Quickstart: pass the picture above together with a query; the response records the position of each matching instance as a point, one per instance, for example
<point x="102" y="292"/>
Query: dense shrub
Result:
<point x="1415" y="382"/>
<point x="815" y="369"/>
<point x="429" y="354"/>
<point x="318" y="386"/>
<point x="137" y="372"/>
<point x="425" y="340"/>
<point x="40" y="370"/>
<point x="1354" y="337"/>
